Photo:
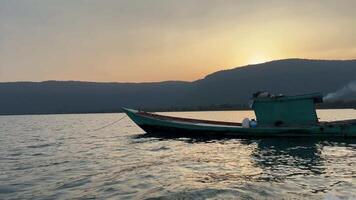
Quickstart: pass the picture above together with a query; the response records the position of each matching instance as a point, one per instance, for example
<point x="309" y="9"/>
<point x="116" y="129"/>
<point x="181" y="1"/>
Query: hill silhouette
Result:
<point x="227" y="87"/>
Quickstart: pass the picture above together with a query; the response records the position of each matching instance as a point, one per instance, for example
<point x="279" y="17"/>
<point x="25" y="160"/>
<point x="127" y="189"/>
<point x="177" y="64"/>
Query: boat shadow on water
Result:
<point x="263" y="141"/>
<point x="274" y="152"/>
<point x="297" y="166"/>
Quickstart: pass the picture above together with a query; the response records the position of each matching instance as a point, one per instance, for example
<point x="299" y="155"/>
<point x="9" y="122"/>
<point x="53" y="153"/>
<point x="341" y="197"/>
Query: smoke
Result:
<point x="339" y="94"/>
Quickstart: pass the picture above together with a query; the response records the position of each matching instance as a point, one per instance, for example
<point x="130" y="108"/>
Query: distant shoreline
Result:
<point x="162" y="110"/>
<point x="222" y="90"/>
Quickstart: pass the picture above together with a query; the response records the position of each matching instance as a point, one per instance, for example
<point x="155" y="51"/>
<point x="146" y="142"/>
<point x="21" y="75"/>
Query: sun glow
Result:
<point x="257" y="59"/>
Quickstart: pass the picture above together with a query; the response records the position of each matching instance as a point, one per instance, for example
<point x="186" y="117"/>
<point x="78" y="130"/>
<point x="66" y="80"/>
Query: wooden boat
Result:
<point x="277" y="116"/>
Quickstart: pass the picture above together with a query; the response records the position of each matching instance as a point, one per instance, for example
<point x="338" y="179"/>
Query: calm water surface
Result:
<point x="61" y="157"/>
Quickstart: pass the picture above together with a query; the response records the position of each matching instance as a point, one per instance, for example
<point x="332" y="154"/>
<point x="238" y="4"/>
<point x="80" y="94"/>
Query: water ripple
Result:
<point x="55" y="157"/>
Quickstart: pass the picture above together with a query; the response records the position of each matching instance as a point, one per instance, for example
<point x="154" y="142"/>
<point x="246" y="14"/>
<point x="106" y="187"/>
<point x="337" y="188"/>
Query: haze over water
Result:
<point x="61" y="157"/>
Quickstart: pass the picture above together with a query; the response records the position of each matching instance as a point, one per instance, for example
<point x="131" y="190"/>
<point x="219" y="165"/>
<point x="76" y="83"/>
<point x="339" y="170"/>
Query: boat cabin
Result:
<point x="280" y="110"/>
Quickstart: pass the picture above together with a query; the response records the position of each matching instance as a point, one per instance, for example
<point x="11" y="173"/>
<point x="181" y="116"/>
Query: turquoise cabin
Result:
<point x="280" y="110"/>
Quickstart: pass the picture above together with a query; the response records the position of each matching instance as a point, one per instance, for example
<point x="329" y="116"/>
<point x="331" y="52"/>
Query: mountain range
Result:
<point x="227" y="87"/>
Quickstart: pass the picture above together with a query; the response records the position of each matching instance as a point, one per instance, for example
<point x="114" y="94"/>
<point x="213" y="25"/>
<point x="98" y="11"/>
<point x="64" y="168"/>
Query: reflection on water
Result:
<point x="58" y="156"/>
<point x="295" y="167"/>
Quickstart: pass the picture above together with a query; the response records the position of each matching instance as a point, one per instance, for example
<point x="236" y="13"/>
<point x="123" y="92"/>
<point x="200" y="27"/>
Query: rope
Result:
<point x="112" y="123"/>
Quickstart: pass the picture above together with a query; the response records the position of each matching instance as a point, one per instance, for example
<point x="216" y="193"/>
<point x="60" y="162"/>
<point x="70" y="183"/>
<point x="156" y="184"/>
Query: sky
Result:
<point x="158" y="40"/>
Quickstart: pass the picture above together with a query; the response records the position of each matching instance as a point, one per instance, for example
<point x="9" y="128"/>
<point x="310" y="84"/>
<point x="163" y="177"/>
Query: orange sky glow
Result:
<point x="143" y="41"/>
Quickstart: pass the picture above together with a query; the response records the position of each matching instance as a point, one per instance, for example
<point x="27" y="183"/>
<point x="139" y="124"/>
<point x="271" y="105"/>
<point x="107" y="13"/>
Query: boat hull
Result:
<point x="163" y="125"/>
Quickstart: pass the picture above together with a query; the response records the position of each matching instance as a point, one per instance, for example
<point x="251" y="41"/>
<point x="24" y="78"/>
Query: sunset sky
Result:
<point x="157" y="40"/>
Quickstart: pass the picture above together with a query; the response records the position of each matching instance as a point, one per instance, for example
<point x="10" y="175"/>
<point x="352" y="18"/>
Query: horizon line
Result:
<point x="167" y="81"/>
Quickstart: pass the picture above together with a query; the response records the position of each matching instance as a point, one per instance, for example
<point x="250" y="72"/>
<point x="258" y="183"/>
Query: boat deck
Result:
<point x="195" y="121"/>
<point x="221" y="123"/>
<point x="168" y="125"/>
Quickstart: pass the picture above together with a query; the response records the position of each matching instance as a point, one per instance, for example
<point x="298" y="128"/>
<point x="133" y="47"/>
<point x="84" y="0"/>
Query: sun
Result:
<point x="257" y="59"/>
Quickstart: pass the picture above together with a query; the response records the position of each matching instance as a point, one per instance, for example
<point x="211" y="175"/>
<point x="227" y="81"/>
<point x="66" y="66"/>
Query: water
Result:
<point x="60" y="157"/>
